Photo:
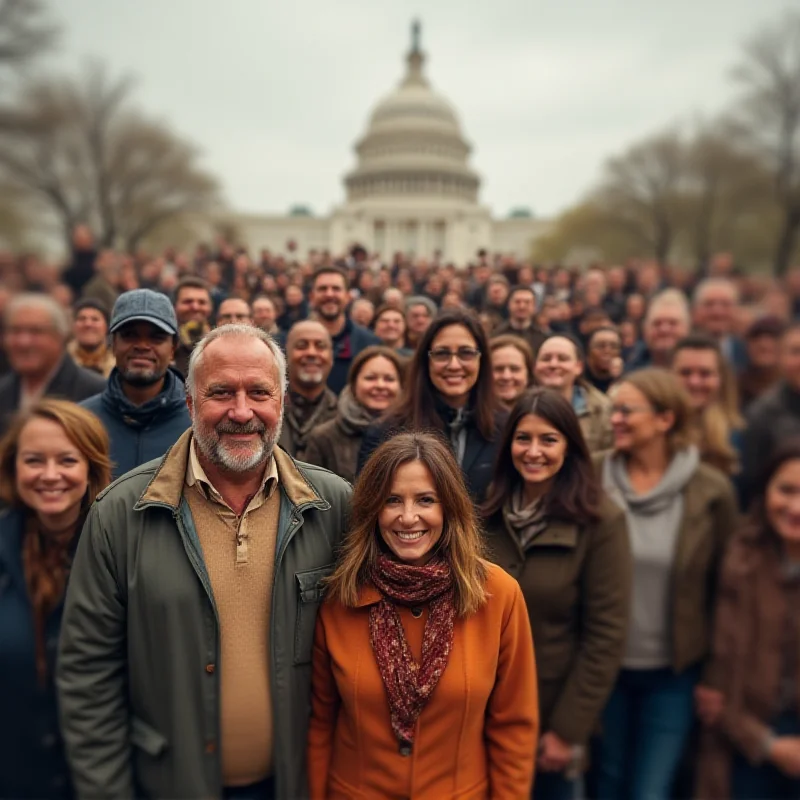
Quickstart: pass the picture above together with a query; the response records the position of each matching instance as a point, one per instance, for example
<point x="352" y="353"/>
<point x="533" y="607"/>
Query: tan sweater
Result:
<point x="239" y="554"/>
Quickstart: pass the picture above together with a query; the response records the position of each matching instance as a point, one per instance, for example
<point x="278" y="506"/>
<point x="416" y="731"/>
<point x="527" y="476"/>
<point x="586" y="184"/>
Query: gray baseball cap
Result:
<point x="144" y="305"/>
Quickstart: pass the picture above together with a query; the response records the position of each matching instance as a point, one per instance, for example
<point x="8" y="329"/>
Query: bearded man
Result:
<point x="185" y="657"/>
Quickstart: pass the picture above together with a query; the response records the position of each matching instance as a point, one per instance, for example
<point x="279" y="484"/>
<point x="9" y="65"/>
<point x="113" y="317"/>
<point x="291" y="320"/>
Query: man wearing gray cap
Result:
<point x="143" y="406"/>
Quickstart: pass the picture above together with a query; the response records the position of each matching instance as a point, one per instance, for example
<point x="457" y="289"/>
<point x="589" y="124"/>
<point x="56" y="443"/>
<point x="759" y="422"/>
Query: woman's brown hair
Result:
<point x="367" y="354"/>
<point x="415" y="407"/>
<point x="83" y="429"/>
<point x="665" y="393"/>
<point x="460" y="543"/>
<point x="575" y="493"/>
<point x="519" y="344"/>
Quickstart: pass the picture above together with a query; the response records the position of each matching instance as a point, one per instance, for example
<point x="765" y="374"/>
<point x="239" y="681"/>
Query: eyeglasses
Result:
<point x="626" y="411"/>
<point x="465" y="355"/>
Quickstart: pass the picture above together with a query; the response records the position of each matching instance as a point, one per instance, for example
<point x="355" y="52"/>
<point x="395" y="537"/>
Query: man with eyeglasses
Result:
<point x="234" y="310"/>
<point x="36" y="329"/>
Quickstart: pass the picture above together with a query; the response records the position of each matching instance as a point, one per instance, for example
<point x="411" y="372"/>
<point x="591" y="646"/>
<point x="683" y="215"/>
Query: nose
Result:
<point x="534" y="449"/>
<point x="50" y="472"/>
<point x="241" y="411"/>
<point x="409" y="515"/>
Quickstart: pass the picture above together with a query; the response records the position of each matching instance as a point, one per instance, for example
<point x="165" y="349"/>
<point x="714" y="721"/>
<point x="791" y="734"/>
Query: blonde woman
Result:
<point x="423" y="672"/>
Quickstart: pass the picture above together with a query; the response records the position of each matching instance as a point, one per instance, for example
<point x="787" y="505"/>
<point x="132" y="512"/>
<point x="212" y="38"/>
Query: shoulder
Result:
<point x="595" y="398"/>
<point x="746" y="552"/>
<point x="8" y="382"/>
<point x="711" y="481"/>
<point x="327" y="484"/>
<point x="501" y="588"/>
<point x="765" y="405"/>
<point x="130" y="486"/>
<point x="611" y="515"/>
<point x="324" y="431"/>
<point x="364" y="335"/>
<point x="94" y="403"/>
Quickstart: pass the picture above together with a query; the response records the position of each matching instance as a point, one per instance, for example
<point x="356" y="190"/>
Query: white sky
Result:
<point x="275" y="94"/>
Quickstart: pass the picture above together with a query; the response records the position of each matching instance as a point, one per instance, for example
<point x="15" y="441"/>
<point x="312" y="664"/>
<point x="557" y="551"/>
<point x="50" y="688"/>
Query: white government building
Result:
<point x="412" y="189"/>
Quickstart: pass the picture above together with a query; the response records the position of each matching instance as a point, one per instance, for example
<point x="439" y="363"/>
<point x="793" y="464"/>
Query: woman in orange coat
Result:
<point x="424" y="679"/>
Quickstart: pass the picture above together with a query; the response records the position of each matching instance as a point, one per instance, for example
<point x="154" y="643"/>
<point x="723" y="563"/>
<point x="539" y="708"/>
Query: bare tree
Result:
<point x="769" y="116"/>
<point x="641" y="191"/>
<point x="88" y="156"/>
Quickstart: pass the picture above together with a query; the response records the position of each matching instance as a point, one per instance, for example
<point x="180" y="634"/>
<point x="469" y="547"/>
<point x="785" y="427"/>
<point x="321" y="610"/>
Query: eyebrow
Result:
<point x="40" y="453"/>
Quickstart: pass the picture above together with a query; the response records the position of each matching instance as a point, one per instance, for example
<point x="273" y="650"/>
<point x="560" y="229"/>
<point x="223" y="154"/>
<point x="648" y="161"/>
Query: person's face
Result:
<point x="294" y="296"/>
<point x="234" y="310"/>
<point x="557" y="365"/>
<point x="192" y="305"/>
<point x="143" y="353"/>
<point x="510" y="374"/>
<point x="628" y="334"/>
<point x="538" y="450"/>
<point x="390" y="328"/>
<point x="237" y="408"/>
<point x="497" y="294"/>
<point x="715" y="311"/>
<point x="264" y="314"/>
<point x="411" y="520"/>
<point x="33" y="345"/>
<point x="664" y="328"/>
<point x="782" y="501"/>
<point x="52" y="474"/>
<point x="698" y="371"/>
<point x="362" y="312"/>
<point x="310" y="355"/>
<point x="616" y="279"/>
<point x="418" y="319"/>
<point x="522" y="306"/>
<point x="604" y="348"/>
<point x="89" y="328"/>
<point x="634" y="421"/>
<point x="454" y="364"/>
<point x="789" y="359"/>
<point x="329" y="296"/>
<point x="635" y="306"/>
<point x="377" y="384"/>
<point x="762" y="351"/>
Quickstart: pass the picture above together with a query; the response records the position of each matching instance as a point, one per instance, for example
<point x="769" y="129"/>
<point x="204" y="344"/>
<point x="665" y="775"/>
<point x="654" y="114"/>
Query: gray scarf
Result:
<point x="353" y="416"/>
<point x="527" y="521"/>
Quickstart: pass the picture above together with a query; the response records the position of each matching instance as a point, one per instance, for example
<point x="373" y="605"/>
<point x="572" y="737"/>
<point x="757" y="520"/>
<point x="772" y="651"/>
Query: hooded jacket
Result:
<point x="140" y="433"/>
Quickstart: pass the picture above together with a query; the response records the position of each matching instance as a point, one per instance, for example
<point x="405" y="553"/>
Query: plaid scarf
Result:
<point x="409" y="684"/>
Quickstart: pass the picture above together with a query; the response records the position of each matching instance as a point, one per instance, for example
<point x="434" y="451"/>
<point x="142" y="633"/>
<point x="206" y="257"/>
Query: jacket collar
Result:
<point x="166" y="486"/>
<point x="368" y="595"/>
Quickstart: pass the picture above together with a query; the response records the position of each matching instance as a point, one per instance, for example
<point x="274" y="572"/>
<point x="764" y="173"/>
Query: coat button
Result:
<point x="210" y="669"/>
<point x="211" y="748"/>
<point x="416" y="612"/>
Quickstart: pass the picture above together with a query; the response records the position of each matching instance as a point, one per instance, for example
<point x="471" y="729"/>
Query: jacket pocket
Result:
<point x="309" y="597"/>
<point x="147" y="738"/>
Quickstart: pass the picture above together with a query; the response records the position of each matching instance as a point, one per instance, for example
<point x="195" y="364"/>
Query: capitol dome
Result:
<point x="413" y="145"/>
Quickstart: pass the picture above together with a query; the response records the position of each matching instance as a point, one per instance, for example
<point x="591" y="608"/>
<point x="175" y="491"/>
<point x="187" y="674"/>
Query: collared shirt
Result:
<point x="196" y="477"/>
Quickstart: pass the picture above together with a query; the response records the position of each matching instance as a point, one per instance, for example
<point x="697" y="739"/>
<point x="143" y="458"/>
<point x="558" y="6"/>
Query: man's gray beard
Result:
<point x="310" y="378"/>
<point x="211" y="446"/>
<point x="142" y="377"/>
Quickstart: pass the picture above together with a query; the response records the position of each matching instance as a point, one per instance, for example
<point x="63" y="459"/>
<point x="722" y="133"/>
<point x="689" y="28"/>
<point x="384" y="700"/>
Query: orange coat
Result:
<point x="477" y="735"/>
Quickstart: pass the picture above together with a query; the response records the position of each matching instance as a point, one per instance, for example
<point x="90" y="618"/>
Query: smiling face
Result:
<point x="557" y="364"/>
<point x="699" y="372"/>
<point x="411" y="520"/>
<point x="522" y="306"/>
<point x="193" y="304"/>
<point x="538" y="451"/>
<point x="664" y="327"/>
<point x="90" y="328"/>
<point x="510" y="374"/>
<point x="329" y="295"/>
<point x="390" y="328"/>
<point x="604" y="348"/>
<point x="377" y="384"/>
<point x="143" y="353"/>
<point x="52" y="473"/>
<point x="455" y="377"/>
<point x="634" y="421"/>
<point x="310" y="355"/>
<point x="237" y="409"/>
<point x="782" y="502"/>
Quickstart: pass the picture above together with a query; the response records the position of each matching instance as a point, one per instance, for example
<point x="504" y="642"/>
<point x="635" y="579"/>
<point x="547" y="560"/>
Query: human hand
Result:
<point x="709" y="704"/>
<point x="784" y="753"/>
<point x="554" y="753"/>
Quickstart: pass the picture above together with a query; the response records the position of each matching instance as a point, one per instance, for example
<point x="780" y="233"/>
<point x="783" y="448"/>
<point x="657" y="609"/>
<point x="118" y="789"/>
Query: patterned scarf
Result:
<point x="527" y="521"/>
<point x="46" y="561"/>
<point x="302" y="414"/>
<point x="409" y="684"/>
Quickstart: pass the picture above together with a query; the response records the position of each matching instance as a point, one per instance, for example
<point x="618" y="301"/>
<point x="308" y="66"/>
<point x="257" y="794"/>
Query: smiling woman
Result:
<point x="410" y="605"/>
<point x="53" y="462"/>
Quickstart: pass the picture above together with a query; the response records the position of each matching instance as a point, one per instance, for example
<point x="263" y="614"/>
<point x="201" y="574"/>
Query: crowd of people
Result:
<point x="282" y="527"/>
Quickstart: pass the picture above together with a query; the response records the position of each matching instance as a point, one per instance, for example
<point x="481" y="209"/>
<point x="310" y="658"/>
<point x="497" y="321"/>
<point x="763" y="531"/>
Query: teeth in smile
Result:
<point x="410" y="536"/>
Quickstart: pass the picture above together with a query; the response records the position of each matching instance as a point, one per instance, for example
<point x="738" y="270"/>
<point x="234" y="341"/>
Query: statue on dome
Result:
<point x="416" y="35"/>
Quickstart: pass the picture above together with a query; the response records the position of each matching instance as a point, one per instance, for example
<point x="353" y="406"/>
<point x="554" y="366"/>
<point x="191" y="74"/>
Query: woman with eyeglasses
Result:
<point x="549" y="525"/>
<point x="449" y="390"/>
<point x="680" y="513"/>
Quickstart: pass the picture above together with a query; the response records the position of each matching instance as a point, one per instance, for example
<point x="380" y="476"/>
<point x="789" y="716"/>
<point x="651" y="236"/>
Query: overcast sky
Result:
<point x="276" y="93"/>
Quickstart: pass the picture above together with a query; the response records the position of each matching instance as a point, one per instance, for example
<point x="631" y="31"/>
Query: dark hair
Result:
<point x="91" y="302"/>
<point x="330" y="271"/>
<point x="415" y="408"/>
<point x="575" y="495"/>
<point x="766" y="326"/>
<point x="757" y="512"/>
<point x="521" y="288"/>
<point x="192" y="282"/>
<point x="382" y="309"/>
<point x="697" y="341"/>
<point x="594" y="312"/>
<point x="367" y="354"/>
<point x="602" y="329"/>
<point x="570" y="338"/>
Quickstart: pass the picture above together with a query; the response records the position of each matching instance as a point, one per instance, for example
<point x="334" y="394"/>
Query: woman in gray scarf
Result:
<point x="549" y="525"/>
<point x="680" y="513"/>
<point x="373" y="384"/>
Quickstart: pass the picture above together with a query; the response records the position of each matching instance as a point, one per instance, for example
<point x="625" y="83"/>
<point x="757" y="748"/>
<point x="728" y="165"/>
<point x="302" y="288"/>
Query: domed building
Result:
<point x="412" y="189"/>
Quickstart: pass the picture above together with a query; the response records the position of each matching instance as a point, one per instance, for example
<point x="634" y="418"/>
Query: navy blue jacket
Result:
<point x="141" y="433"/>
<point x="32" y="760"/>
<point x="346" y="346"/>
